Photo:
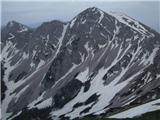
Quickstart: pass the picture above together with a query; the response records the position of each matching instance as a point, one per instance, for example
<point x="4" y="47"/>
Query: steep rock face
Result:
<point x="17" y="33"/>
<point x="23" y="54"/>
<point x="94" y="63"/>
<point x="119" y="63"/>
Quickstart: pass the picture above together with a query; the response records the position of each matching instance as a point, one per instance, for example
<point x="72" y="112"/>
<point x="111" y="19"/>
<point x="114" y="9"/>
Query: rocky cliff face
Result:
<point x="96" y="62"/>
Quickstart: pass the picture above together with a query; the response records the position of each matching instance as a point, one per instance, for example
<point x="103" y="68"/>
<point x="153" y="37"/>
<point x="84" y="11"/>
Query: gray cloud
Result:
<point x="31" y="13"/>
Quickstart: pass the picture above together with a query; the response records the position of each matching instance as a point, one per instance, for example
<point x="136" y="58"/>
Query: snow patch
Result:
<point x="71" y="40"/>
<point x="83" y="75"/>
<point x="158" y="76"/>
<point x="11" y="36"/>
<point x="128" y="21"/>
<point x="151" y="57"/>
<point x="72" y="22"/>
<point x="32" y="64"/>
<point x="45" y="104"/>
<point x="72" y="68"/>
<point x="22" y="29"/>
<point x="84" y="21"/>
<point x="101" y="46"/>
<point x="104" y="36"/>
<point x="42" y="62"/>
<point x="20" y="92"/>
<point x="34" y="53"/>
<point x="106" y="94"/>
<point x="32" y="104"/>
<point x="82" y="57"/>
<point x="137" y="111"/>
<point x="11" y="86"/>
<point x="101" y="16"/>
<point x="86" y="46"/>
<point x="25" y="55"/>
<point x="47" y="40"/>
<point x="60" y="40"/>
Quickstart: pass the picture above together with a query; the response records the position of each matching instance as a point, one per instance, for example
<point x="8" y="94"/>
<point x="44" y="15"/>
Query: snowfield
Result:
<point x="137" y="111"/>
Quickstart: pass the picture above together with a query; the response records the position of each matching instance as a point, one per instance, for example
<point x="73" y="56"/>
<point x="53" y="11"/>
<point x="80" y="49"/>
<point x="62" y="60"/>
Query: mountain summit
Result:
<point x="95" y="64"/>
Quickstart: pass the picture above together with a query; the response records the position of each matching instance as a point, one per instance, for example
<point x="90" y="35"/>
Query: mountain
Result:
<point x="94" y="65"/>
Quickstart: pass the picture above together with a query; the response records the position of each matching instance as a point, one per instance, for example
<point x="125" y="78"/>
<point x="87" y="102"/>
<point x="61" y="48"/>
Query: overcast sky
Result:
<point x="34" y="13"/>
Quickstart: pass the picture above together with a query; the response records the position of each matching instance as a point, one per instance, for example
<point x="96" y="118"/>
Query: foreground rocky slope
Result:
<point x="96" y="62"/>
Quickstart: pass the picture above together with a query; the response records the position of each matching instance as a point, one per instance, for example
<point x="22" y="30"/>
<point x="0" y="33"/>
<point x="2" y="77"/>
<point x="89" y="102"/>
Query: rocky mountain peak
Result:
<point x="14" y="26"/>
<point x="92" y="65"/>
<point x="52" y="28"/>
<point x="12" y="23"/>
<point x="91" y="15"/>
